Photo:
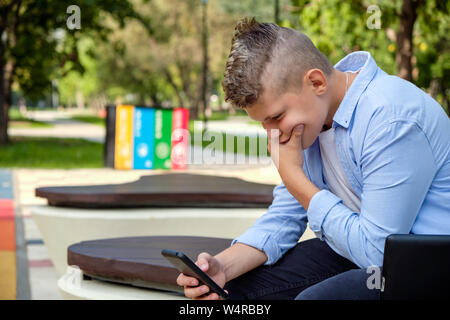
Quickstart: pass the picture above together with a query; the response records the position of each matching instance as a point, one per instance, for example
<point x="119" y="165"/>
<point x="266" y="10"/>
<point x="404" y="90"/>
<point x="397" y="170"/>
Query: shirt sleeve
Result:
<point x="397" y="166"/>
<point x="279" y="229"/>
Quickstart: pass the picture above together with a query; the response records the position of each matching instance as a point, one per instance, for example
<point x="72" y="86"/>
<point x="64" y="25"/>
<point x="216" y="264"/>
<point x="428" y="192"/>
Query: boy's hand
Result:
<point x="212" y="267"/>
<point x="287" y="156"/>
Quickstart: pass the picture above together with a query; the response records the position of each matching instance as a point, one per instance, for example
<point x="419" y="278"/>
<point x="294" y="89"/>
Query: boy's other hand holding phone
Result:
<point x="213" y="268"/>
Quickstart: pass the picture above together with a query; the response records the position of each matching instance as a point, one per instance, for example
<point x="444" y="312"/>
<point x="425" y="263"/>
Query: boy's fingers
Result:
<point x="212" y="296"/>
<point x="196" y="291"/>
<point x="203" y="264"/>
<point x="203" y="261"/>
<point x="184" y="280"/>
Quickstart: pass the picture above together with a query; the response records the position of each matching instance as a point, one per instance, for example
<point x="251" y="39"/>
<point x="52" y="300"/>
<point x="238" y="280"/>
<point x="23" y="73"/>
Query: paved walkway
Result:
<point x="237" y="125"/>
<point x="41" y="273"/>
<point x="62" y="127"/>
<point x="25" y="268"/>
<point x="65" y="127"/>
<point x="14" y="280"/>
<point x="8" y="276"/>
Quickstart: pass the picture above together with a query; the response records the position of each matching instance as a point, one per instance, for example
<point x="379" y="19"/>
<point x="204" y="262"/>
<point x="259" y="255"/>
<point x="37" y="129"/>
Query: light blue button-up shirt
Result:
<point x="393" y="143"/>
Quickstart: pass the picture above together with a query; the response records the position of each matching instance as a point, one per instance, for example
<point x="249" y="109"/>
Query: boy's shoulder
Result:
<point x="393" y="94"/>
<point x="389" y="98"/>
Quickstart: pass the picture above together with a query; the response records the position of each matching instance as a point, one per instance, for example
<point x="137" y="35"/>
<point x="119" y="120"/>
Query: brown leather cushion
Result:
<point x="164" y="190"/>
<point x="137" y="260"/>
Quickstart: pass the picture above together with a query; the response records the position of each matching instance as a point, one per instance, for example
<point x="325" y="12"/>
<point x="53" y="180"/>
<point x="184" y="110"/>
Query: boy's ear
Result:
<point x="317" y="80"/>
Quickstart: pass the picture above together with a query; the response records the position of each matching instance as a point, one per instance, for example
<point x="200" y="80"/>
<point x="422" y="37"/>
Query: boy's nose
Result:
<point x="269" y="125"/>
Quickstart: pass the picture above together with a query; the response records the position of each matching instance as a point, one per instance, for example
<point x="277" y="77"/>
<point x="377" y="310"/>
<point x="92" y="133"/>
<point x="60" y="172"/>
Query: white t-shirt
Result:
<point x="333" y="173"/>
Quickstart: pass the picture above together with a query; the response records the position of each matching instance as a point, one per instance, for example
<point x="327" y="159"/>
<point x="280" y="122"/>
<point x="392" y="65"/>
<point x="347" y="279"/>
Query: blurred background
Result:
<point x="69" y="59"/>
<point x="63" y="62"/>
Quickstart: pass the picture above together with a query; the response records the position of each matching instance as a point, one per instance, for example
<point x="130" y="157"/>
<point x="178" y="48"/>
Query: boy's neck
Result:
<point x="337" y="93"/>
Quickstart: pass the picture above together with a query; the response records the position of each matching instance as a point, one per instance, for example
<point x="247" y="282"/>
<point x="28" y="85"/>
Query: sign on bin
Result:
<point x="150" y="138"/>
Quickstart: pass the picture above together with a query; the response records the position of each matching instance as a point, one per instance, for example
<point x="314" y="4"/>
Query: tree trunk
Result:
<point x="277" y="12"/>
<point x="177" y="90"/>
<point x="79" y="98"/>
<point x="7" y="65"/>
<point x="4" y="105"/>
<point x="155" y="100"/>
<point x="404" y="53"/>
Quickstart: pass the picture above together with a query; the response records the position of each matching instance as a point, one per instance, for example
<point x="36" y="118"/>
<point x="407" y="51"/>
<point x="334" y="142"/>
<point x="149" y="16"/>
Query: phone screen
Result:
<point x="185" y="265"/>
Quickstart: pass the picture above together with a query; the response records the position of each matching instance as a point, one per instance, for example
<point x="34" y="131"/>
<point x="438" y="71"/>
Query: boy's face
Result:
<point x="287" y="110"/>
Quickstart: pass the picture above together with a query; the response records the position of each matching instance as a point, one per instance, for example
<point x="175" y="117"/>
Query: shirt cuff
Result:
<point x="319" y="206"/>
<point x="261" y="241"/>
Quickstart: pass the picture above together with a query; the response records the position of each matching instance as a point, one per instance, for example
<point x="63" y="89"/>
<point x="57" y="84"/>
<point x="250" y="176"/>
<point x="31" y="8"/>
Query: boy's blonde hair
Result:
<point x="265" y="50"/>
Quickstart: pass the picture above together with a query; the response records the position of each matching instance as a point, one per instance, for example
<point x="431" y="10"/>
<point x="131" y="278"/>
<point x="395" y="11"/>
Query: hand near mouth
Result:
<point x="288" y="158"/>
<point x="287" y="155"/>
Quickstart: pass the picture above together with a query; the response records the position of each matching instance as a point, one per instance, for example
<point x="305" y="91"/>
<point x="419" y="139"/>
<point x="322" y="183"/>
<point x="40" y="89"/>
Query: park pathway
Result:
<point x="62" y="127"/>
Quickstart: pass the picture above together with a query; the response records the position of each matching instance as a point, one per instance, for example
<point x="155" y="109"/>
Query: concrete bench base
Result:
<point x="61" y="227"/>
<point x="73" y="286"/>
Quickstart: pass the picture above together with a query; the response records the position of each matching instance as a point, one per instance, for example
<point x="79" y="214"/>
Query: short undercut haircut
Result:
<point x="265" y="50"/>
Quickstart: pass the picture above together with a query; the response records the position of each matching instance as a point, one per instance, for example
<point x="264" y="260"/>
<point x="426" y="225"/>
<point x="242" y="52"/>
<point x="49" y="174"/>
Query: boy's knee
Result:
<point x="315" y="292"/>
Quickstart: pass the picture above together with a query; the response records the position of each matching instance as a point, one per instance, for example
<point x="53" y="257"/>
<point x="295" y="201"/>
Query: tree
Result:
<point x="166" y="66"/>
<point x="30" y="52"/>
<point x="411" y="34"/>
<point x="77" y="87"/>
<point x="160" y="66"/>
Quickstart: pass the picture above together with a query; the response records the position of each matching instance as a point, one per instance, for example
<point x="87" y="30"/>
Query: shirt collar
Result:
<point x="352" y="62"/>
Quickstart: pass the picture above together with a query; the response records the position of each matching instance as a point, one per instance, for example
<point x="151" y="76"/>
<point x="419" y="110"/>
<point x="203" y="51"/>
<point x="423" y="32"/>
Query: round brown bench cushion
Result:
<point x="137" y="260"/>
<point x="164" y="190"/>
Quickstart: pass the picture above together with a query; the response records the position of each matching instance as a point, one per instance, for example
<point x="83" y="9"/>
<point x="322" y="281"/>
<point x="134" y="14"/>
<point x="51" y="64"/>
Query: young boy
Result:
<point x="362" y="155"/>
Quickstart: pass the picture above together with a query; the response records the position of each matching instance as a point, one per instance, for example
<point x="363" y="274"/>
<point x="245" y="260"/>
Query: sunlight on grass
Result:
<point x="26" y="152"/>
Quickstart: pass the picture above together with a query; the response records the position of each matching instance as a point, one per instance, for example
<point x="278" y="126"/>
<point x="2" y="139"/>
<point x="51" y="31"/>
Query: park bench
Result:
<point x="414" y="267"/>
<point x="164" y="190"/>
<point x="134" y="261"/>
<point x="170" y="204"/>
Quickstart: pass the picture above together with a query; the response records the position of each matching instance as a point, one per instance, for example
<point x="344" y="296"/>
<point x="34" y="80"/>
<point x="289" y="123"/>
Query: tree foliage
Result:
<point x="150" y="51"/>
<point x="31" y="52"/>
<point x="340" y="27"/>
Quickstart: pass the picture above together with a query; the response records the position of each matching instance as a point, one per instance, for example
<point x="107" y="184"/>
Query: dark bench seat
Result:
<point x="164" y="190"/>
<point x="137" y="260"/>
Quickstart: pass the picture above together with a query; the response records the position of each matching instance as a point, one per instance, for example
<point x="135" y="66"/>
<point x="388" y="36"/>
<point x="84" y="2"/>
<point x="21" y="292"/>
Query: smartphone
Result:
<point x="185" y="265"/>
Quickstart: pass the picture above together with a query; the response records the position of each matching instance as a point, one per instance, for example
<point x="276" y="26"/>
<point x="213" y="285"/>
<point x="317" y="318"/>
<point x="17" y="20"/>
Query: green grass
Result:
<point x="216" y="115"/>
<point x="238" y="148"/>
<point x="254" y="122"/>
<point x="230" y="144"/>
<point x="43" y="153"/>
<point x="91" y="119"/>
<point x="27" y="152"/>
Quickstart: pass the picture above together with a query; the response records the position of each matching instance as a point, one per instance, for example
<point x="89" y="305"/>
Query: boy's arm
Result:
<point x="239" y="259"/>
<point x="279" y="229"/>
<point x="398" y="167"/>
<point x="266" y="241"/>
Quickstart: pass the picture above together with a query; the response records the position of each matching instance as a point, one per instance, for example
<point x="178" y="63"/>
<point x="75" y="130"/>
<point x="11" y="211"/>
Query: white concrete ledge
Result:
<point x="60" y="227"/>
<point x="73" y="287"/>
